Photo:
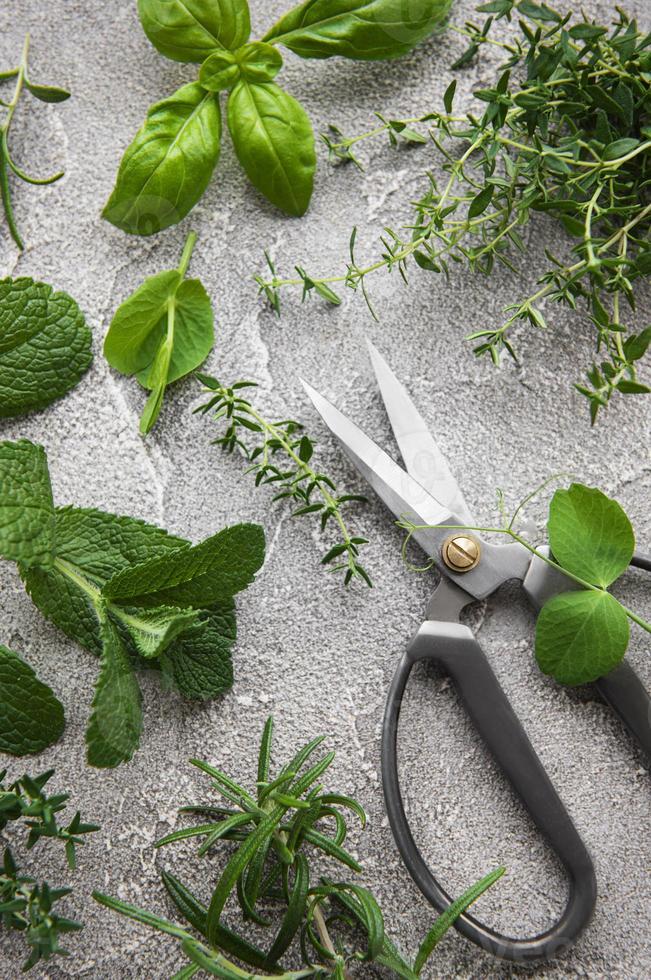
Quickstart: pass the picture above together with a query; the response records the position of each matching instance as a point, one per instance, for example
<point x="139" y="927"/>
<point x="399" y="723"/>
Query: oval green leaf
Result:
<point x="365" y="30"/>
<point x="274" y="142"/>
<point x="580" y="636"/>
<point x="31" y="717"/>
<point x="219" y="71"/>
<point x="189" y="30"/>
<point x="589" y="534"/>
<point x="169" y="163"/>
<point x="259" y="62"/>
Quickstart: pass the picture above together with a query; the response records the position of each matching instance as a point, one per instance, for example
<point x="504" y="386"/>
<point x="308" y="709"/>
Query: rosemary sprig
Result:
<point x="566" y="131"/>
<point x="282" y="457"/>
<point x="45" y="93"/>
<point x="277" y="829"/>
<point x="25" y="905"/>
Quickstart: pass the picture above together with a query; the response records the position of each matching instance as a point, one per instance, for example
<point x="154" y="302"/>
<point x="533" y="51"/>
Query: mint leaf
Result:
<point x="26" y="507"/>
<point x="152" y="631"/>
<point x="115" y="724"/>
<point x="589" y="534"/>
<point x="580" y="636"/>
<point x="161" y="332"/>
<point x="199" y="664"/>
<point x="31" y="717"/>
<point x="45" y="345"/>
<point x="207" y="573"/>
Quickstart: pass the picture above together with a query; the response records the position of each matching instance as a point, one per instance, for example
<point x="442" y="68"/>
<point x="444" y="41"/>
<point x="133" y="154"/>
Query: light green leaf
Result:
<point x="219" y="71"/>
<point x="580" y="636"/>
<point x="169" y="164"/>
<point x="209" y="572"/>
<point x="164" y="330"/>
<point x="26" y="507"/>
<point x="189" y="30"/>
<point x="45" y="345"/>
<point x="589" y="534"/>
<point x="257" y="61"/>
<point x="31" y="717"/>
<point x="113" y="733"/>
<point x="154" y="630"/>
<point x="361" y="29"/>
<point x="274" y="142"/>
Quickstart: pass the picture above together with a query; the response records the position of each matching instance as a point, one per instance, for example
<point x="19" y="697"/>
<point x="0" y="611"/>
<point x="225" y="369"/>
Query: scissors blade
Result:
<point x="423" y="458"/>
<point x="399" y="490"/>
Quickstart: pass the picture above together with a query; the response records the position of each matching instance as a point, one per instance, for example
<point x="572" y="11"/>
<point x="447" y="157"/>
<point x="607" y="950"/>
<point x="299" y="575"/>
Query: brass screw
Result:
<point x="461" y="553"/>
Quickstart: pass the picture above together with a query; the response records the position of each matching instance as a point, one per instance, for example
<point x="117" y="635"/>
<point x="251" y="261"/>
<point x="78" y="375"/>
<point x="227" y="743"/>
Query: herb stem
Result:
<point x="188" y="248"/>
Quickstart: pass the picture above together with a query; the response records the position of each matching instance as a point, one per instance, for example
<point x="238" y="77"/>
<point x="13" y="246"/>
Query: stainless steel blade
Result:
<point x="423" y="458"/>
<point x="405" y="497"/>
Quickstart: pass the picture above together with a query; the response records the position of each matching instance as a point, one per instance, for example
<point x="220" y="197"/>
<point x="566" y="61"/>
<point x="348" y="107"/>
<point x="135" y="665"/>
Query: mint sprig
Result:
<point x="128" y="591"/>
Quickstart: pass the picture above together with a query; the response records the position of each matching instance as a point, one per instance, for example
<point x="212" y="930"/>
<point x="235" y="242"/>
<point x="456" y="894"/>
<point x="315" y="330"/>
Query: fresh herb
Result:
<point x="168" y="166"/>
<point x="31" y="717"/>
<point x="566" y="131"/>
<point x="163" y="331"/>
<point x="282" y="456"/>
<point x="582" y="633"/>
<point x="45" y="93"/>
<point x="45" y="345"/>
<point x="25" y="905"/>
<point x="278" y="829"/>
<point x="130" y="592"/>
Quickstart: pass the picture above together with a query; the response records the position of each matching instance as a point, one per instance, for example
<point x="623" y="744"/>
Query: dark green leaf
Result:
<point x="31" y="717"/>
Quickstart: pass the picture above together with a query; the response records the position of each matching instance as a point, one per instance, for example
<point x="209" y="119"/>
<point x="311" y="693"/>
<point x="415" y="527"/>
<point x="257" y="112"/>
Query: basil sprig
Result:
<point x="168" y="166"/>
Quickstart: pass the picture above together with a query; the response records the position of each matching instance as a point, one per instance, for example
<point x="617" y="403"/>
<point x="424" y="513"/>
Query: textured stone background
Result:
<point x="320" y="658"/>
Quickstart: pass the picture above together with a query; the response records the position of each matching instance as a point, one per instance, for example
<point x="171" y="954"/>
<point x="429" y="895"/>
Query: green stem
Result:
<point x="187" y="253"/>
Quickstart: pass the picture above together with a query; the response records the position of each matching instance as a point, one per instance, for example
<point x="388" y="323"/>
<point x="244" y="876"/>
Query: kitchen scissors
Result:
<point x="427" y="493"/>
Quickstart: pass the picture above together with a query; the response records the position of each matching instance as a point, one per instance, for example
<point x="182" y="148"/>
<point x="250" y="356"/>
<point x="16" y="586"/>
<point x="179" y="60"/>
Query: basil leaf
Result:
<point x="45" y="345"/>
<point x="257" y="61"/>
<point x="589" y="534"/>
<point x="274" y="142"/>
<point x="31" y="717"/>
<point x="169" y="163"/>
<point x="189" y="30"/>
<point x="365" y="30"/>
<point x="580" y="636"/>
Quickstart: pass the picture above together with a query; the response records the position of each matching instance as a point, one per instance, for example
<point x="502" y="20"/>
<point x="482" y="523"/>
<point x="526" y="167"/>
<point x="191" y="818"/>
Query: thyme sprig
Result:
<point x="279" y="829"/>
<point x="566" y="131"/>
<point x="45" y="93"/>
<point x="25" y="905"/>
<point x="283" y="457"/>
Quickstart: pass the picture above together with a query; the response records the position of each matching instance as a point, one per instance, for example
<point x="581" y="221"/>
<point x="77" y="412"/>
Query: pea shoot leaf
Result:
<point x="580" y="636"/>
<point x="31" y="717"/>
<point x="164" y="330"/>
<point x="45" y="345"/>
<point x="590" y="535"/>
<point x="26" y="507"/>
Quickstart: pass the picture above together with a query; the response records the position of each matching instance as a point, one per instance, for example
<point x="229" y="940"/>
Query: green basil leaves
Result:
<point x="170" y="162"/>
<point x="365" y="30"/>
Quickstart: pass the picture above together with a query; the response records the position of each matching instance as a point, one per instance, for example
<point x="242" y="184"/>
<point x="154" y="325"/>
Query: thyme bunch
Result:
<point x="25" y="905"/>
<point x="282" y="457"/>
<point x="566" y="130"/>
<point x="278" y="830"/>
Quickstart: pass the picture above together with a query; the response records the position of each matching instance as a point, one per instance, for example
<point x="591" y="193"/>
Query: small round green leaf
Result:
<point x="589" y="534"/>
<point x="259" y="61"/>
<point x="219" y="71"/>
<point x="580" y="636"/>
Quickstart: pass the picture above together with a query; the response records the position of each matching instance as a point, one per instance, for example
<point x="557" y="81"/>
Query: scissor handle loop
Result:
<point x="453" y="646"/>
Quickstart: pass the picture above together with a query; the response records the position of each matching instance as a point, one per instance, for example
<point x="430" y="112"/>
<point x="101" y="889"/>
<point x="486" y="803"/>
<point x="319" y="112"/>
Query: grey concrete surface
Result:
<point x="317" y="656"/>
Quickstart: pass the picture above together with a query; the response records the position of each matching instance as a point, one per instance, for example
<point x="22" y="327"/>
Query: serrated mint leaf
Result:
<point x="26" y="508"/>
<point x="31" y="717"/>
<point x="45" y="345"/>
<point x="580" y="636"/>
<point x="589" y="534"/>
<point x="199" y="663"/>
<point x="91" y="546"/>
<point x="152" y="631"/>
<point x="115" y="724"/>
<point x="164" y="330"/>
<point x="210" y="572"/>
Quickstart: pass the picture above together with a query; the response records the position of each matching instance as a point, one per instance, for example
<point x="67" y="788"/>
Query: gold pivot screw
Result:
<point x="461" y="553"/>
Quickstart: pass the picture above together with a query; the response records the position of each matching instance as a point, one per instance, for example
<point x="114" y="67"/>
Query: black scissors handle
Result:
<point x="453" y="647"/>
